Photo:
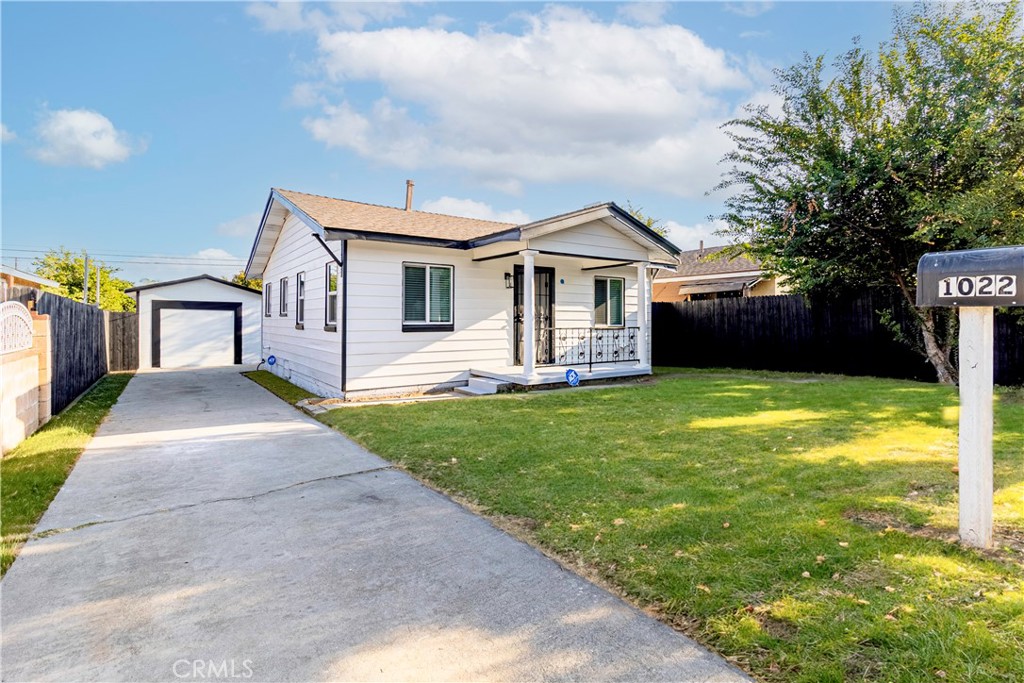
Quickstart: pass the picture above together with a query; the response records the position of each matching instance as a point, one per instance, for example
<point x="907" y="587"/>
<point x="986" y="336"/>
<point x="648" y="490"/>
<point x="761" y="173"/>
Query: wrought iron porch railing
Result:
<point x="590" y="345"/>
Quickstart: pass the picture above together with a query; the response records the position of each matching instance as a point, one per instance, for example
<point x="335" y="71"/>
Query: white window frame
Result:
<point x="331" y="311"/>
<point x="282" y="304"/>
<point x="604" y="281"/>
<point x="427" y="324"/>
<point x="268" y="300"/>
<point x="300" y="298"/>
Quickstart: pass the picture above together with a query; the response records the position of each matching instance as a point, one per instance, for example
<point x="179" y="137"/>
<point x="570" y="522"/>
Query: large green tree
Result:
<point x="68" y="269"/>
<point x="915" y="148"/>
<point x="250" y="282"/>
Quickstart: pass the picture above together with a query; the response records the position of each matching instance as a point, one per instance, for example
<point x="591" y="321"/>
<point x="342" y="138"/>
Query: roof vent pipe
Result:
<point x="701" y="247"/>
<point x="408" y="194"/>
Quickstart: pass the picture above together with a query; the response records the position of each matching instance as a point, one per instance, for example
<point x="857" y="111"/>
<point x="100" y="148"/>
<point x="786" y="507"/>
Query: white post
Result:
<point x="641" y="312"/>
<point x="529" y="320"/>
<point x="85" y="279"/>
<point x="976" y="368"/>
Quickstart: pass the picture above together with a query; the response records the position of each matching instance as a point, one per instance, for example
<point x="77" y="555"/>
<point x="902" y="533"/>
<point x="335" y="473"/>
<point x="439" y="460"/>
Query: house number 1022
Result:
<point x="978" y="285"/>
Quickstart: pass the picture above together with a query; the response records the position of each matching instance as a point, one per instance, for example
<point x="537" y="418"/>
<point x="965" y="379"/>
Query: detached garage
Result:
<point x="196" y="322"/>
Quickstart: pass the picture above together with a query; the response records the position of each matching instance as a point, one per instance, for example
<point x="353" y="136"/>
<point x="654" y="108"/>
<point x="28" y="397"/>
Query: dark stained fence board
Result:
<point x="123" y="341"/>
<point x="78" y="344"/>
<point x="790" y="333"/>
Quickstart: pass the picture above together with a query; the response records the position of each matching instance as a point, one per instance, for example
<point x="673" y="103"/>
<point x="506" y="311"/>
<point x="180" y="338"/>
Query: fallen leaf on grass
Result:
<point x="890" y="589"/>
<point x="939" y="673"/>
<point x="725" y="525"/>
<point x="619" y="521"/>
<point x="679" y="553"/>
<point x="819" y="559"/>
<point x="822" y="522"/>
<point x="844" y="544"/>
<point x="806" y="575"/>
<point x="575" y="527"/>
<point x="889" y="617"/>
<point x="702" y="587"/>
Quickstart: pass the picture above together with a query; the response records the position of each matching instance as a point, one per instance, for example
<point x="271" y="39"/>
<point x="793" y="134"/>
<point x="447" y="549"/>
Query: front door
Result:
<point x="543" y="313"/>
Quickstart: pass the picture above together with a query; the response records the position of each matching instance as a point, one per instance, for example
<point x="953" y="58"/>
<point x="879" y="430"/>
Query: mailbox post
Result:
<point x="975" y="281"/>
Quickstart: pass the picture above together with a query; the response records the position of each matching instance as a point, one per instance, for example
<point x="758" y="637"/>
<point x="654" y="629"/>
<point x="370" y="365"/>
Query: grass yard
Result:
<point x="284" y="389"/>
<point x="32" y="473"/>
<point x="797" y="526"/>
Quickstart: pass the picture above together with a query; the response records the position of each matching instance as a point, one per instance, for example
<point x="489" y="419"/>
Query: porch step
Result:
<point x="480" y="386"/>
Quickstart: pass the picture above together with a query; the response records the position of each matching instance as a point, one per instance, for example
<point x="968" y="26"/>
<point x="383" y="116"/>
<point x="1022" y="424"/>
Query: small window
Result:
<point x="268" y="299"/>
<point x="300" y="298"/>
<point x="608" y="301"/>
<point x="427" y="298"/>
<point x="282" y="307"/>
<point x="331" y="294"/>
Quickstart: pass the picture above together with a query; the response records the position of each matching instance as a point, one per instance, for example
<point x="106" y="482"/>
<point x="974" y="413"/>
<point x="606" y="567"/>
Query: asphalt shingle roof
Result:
<point x="701" y="262"/>
<point x="342" y="214"/>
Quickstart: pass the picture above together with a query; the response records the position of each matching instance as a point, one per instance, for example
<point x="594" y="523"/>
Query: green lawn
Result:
<point x="284" y="389"/>
<point x="32" y="473"/>
<point x="798" y="526"/>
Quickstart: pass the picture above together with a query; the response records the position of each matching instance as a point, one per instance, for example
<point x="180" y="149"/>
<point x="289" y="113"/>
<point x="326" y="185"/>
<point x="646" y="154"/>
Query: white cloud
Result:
<point x="748" y="9"/>
<point x="569" y="99"/>
<point x="295" y="16"/>
<point x="81" y="137"/>
<point x="211" y="261"/>
<point x="643" y="13"/>
<point x="243" y="226"/>
<point x="473" y="209"/>
<point x="688" y="237"/>
<point x="6" y="134"/>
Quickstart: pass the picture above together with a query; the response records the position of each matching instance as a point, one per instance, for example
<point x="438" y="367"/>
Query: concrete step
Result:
<point x="480" y="386"/>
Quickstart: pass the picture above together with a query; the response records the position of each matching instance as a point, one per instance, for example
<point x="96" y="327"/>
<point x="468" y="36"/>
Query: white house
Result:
<point x="362" y="300"/>
<point x="197" y="321"/>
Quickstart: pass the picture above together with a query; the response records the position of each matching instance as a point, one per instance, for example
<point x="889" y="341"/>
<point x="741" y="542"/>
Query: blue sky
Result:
<point x="150" y="134"/>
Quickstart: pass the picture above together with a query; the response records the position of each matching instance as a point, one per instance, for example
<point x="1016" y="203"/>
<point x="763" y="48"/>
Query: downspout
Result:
<point x="344" y="316"/>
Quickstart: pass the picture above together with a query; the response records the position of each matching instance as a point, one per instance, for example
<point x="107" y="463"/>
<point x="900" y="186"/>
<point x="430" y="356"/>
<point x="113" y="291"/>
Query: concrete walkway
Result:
<point x="211" y="531"/>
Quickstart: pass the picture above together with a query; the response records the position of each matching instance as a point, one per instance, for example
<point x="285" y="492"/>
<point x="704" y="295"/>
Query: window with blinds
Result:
<point x="427" y="297"/>
<point x="609" y="301"/>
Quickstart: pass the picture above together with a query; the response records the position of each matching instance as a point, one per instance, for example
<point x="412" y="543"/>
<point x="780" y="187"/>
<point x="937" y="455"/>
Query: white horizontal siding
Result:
<point x="594" y="239"/>
<point x="381" y="357"/>
<point x="310" y="357"/>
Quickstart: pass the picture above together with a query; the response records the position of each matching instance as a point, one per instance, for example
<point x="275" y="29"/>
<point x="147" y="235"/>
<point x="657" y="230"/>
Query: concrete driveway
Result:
<point x="211" y="531"/>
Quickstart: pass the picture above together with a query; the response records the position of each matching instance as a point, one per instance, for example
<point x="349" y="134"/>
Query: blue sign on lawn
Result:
<point x="271" y="360"/>
<point x="572" y="377"/>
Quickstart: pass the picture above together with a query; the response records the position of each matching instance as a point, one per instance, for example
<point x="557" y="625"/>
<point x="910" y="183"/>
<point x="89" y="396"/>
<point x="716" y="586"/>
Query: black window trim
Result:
<point x="428" y="326"/>
<point x="300" y="297"/>
<point x="282" y="304"/>
<point x="608" y="299"/>
<point x="268" y="303"/>
<point x="328" y="325"/>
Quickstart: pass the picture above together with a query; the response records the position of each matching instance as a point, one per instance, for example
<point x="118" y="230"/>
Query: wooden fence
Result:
<point x="123" y="341"/>
<point x="79" y="338"/>
<point x="790" y="333"/>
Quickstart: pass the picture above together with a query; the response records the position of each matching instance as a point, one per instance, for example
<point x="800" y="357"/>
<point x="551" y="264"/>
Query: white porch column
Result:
<point x="529" y="315"/>
<point x="642" y="286"/>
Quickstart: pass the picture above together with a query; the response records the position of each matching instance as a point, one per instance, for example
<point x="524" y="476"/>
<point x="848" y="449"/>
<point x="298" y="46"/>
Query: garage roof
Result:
<point x="167" y="283"/>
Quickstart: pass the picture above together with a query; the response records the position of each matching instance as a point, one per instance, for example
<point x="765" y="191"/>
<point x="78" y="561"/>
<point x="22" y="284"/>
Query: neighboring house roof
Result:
<point x="342" y="219"/>
<point x="699" y="262"/>
<point x="168" y="283"/>
<point x="20" y="276"/>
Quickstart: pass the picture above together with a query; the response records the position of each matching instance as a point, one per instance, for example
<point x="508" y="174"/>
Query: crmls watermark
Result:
<point x="204" y="669"/>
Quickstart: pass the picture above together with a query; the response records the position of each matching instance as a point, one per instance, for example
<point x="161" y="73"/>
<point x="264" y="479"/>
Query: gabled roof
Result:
<point x="343" y="219"/>
<point x="168" y="283"/>
<point x="703" y="262"/>
<point x="345" y="215"/>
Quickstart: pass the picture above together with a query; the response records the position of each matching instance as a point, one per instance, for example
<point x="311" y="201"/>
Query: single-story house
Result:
<point x="705" y="274"/>
<point x="12" y="277"/>
<point x="364" y="300"/>
<point x="197" y="321"/>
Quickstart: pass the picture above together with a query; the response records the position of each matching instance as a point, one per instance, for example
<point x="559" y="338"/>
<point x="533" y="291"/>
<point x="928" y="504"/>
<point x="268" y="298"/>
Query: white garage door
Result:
<point x="191" y="338"/>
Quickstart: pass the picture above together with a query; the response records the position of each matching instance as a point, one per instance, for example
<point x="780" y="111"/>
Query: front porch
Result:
<point x="555" y="374"/>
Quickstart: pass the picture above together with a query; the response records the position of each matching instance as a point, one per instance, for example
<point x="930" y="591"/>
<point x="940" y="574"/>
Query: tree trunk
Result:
<point x="937" y="354"/>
